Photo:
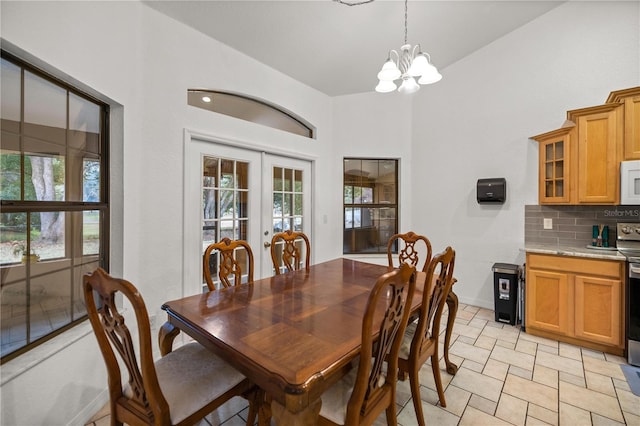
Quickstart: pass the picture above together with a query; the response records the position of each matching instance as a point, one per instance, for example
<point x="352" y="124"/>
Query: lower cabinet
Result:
<point x="576" y="300"/>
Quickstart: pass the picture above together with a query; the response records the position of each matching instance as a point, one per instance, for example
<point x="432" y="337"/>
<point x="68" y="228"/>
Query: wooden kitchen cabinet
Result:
<point x="576" y="300"/>
<point x="599" y="149"/>
<point x="630" y="98"/>
<point x="555" y="154"/>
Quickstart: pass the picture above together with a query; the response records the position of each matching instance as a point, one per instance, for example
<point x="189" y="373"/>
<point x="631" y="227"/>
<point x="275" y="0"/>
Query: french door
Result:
<point x="240" y="194"/>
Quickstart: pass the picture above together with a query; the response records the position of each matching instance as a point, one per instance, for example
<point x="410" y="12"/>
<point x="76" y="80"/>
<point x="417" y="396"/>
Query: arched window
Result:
<point x="250" y="109"/>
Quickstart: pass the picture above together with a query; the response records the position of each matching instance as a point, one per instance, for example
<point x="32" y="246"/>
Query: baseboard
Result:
<point x="83" y="417"/>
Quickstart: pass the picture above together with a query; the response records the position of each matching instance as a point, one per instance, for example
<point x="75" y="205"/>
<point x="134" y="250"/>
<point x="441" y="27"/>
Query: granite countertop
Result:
<point x="594" y="253"/>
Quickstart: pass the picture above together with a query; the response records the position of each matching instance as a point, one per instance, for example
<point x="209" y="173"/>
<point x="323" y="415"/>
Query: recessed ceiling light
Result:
<point x="206" y="99"/>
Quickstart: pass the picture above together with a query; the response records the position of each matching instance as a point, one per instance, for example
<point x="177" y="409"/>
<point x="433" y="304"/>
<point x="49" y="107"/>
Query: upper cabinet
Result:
<point x="580" y="162"/>
<point x="630" y="99"/>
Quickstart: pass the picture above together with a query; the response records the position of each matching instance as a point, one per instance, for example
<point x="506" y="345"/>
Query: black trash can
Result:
<point x="505" y="291"/>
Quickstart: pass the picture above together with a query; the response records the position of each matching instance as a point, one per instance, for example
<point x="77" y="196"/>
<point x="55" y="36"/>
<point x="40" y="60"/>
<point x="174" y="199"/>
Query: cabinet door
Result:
<point x="598" y="162"/>
<point x="598" y="309"/>
<point x="632" y="128"/>
<point x="547" y="301"/>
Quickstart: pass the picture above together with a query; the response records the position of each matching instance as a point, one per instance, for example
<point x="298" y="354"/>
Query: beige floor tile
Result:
<point x="532" y="421"/>
<point x="456" y="399"/>
<point x="621" y="384"/>
<point x="571" y="415"/>
<point x="629" y="402"/>
<point x="539" y="340"/>
<point x="496" y="369"/>
<point x="592" y="354"/>
<point x="425" y="375"/>
<point x="542" y="414"/>
<point x="598" y="420"/>
<point x="570" y="351"/>
<point x="574" y="380"/>
<point x="470" y="352"/>
<point x="434" y="415"/>
<point x="545" y="375"/>
<point x="465" y="315"/>
<point x="631" y="419"/>
<point x="615" y="359"/>
<point x="474" y="309"/>
<point x="603" y="367"/>
<point x="512" y="410"/>
<point x="595" y="402"/>
<point x="526" y="346"/>
<point x="483" y="404"/>
<point x="474" y="417"/>
<point x="513" y="357"/>
<point x="536" y="393"/>
<point x="465" y="330"/>
<point x="478" y="323"/>
<point x="599" y="383"/>
<point x="521" y="372"/>
<point x="509" y="334"/>
<point x="559" y="363"/>
<point x="472" y="365"/>
<point x="485" y="386"/>
<point x="548" y="349"/>
<point x="485" y="342"/>
<point x="505" y="344"/>
<point x="465" y="339"/>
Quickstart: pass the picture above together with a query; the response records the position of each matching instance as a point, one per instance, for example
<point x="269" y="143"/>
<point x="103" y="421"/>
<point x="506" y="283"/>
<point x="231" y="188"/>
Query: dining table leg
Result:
<point x="452" y="304"/>
<point x="307" y="416"/>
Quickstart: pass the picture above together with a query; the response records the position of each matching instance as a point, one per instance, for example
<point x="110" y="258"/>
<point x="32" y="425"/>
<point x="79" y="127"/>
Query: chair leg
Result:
<point x="392" y="419"/>
<point x="264" y="411"/>
<point x="437" y="378"/>
<point x="414" y="381"/>
<point x="254" y="396"/>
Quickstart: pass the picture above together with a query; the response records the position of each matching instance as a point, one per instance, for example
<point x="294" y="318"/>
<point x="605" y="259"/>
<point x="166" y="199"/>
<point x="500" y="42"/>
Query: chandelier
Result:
<point x="408" y="64"/>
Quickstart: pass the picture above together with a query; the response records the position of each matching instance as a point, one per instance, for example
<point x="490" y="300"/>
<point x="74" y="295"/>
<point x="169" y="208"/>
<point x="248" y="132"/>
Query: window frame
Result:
<point x="73" y="238"/>
<point x="381" y="247"/>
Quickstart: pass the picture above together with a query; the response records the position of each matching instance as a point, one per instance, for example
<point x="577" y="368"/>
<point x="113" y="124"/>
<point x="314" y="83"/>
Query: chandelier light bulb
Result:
<point x="389" y="71"/>
<point x="419" y="65"/>
<point x="409" y="85"/>
<point x="385" y="86"/>
<point x="432" y="76"/>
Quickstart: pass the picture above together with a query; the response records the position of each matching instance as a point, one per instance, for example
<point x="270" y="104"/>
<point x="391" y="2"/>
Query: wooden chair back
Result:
<point x="230" y="264"/>
<point x="410" y="246"/>
<point x="374" y="390"/>
<point x="296" y="251"/>
<point x="143" y="401"/>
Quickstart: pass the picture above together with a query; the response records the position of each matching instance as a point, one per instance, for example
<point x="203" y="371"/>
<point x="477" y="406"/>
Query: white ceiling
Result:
<point x="339" y="49"/>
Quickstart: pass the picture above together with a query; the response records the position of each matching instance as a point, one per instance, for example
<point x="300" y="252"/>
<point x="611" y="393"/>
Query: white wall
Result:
<point x="475" y="123"/>
<point x="145" y="62"/>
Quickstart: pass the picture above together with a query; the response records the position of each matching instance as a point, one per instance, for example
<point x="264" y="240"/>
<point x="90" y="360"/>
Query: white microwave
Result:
<point x="630" y="182"/>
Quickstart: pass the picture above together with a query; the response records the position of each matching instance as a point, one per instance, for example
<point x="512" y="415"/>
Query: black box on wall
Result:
<point x="491" y="191"/>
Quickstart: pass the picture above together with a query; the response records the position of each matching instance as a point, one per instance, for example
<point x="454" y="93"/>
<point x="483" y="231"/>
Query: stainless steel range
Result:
<point x="628" y="243"/>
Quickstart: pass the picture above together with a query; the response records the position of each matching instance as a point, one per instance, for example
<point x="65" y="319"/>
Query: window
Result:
<point x="54" y="219"/>
<point x="370" y="199"/>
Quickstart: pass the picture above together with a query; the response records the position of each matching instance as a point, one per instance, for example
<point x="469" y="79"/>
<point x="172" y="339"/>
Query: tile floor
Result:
<point x="505" y="377"/>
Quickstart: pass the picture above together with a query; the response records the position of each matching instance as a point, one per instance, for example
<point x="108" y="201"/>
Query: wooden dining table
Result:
<point x="292" y="334"/>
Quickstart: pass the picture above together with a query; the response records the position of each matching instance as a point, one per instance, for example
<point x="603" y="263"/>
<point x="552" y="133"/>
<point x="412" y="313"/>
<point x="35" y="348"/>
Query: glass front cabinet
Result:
<point x="554" y="169"/>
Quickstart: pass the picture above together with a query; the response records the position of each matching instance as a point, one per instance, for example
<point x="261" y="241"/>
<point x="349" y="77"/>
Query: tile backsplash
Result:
<point x="572" y="225"/>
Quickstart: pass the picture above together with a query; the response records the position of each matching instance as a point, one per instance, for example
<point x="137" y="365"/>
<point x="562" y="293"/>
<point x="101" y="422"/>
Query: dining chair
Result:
<point x="367" y="390"/>
<point x="233" y="255"/>
<point x="410" y="246"/>
<point x="421" y="339"/>
<point x="180" y="388"/>
<point x="290" y="250"/>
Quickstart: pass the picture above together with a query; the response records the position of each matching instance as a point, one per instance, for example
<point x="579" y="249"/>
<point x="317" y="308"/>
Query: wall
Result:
<point x="143" y="63"/>
<point x="475" y="123"/>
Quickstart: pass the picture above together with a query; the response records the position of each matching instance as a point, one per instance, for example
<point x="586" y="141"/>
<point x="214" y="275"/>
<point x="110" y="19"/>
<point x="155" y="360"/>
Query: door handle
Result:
<point x="267" y="244"/>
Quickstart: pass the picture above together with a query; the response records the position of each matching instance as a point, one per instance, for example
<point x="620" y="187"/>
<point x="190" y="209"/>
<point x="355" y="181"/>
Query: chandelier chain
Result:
<point x="405" y="21"/>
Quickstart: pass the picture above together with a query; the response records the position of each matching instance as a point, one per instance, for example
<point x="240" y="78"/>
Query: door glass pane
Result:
<point x="225" y="207"/>
<point x="287" y="199"/>
<point x="90" y="232"/>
